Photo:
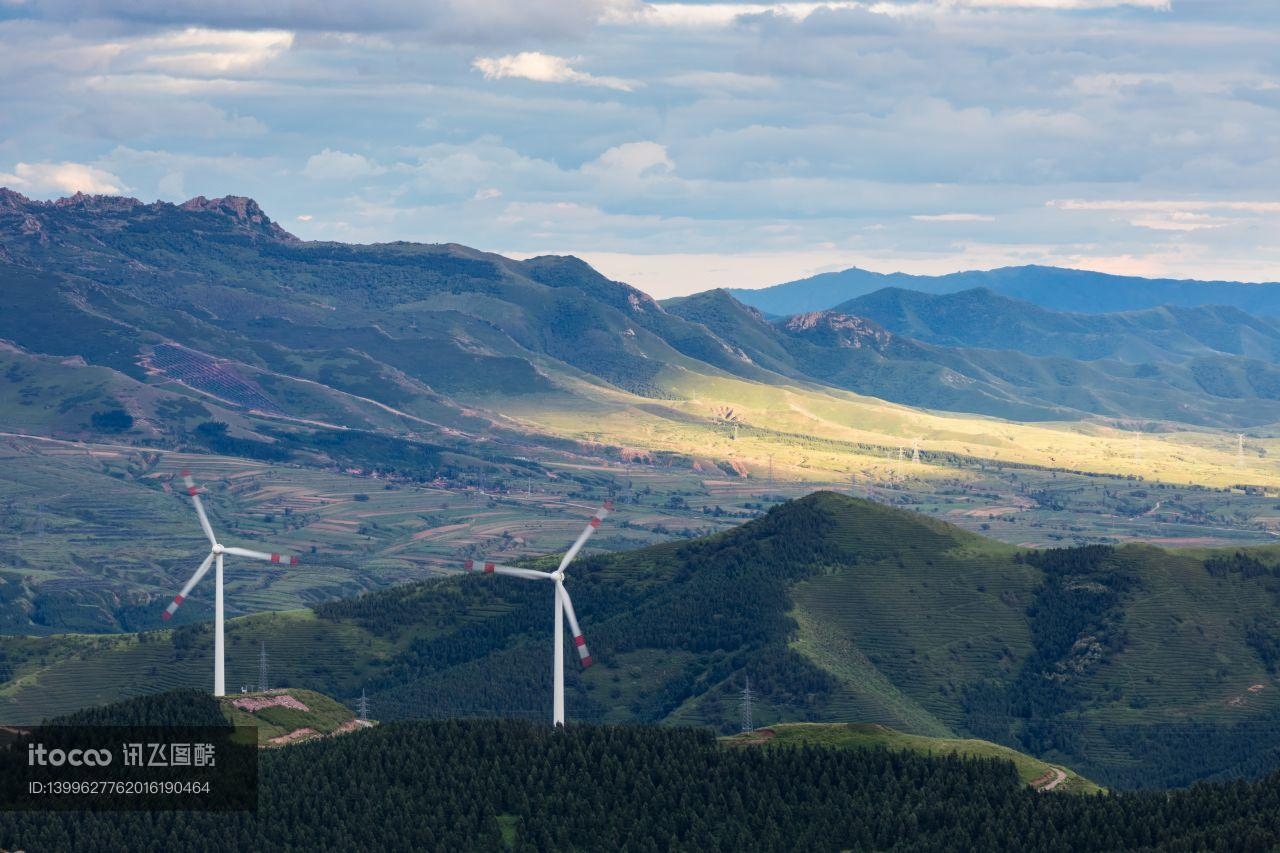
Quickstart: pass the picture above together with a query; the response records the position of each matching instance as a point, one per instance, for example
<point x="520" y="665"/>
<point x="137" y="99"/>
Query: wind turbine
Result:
<point x="216" y="553"/>
<point x="563" y="606"/>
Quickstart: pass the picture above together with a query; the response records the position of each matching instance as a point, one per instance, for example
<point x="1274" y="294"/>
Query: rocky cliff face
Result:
<point x="830" y="328"/>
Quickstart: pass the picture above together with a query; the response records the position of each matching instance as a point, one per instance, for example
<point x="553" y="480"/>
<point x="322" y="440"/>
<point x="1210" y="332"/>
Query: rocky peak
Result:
<point x="843" y="330"/>
<point x="240" y="209"/>
<point x="98" y="203"/>
<point x="11" y="201"/>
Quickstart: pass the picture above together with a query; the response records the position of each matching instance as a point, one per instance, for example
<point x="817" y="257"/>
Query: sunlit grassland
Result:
<point x="818" y="434"/>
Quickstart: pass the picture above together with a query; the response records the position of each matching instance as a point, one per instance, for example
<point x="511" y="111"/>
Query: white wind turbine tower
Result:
<point x="216" y="553"/>
<point x="563" y="606"/>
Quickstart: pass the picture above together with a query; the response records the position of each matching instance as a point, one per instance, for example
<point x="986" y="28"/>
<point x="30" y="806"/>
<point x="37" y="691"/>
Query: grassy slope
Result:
<point x="871" y="735"/>
<point x="324" y="715"/>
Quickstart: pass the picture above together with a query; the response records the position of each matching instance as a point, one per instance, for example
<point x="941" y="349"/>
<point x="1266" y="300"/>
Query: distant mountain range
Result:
<point x="216" y="296"/>
<point x="1049" y="287"/>
<point x="983" y="318"/>
<point x="979" y="352"/>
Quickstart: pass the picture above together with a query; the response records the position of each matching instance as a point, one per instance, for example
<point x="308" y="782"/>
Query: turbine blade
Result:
<point x="579" y="641"/>
<point x="498" y="569"/>
<point x="180" y="597"/>
<point x="282" y="559"/>
<point x="600" y="515"/>
<point x="195" y="499"/>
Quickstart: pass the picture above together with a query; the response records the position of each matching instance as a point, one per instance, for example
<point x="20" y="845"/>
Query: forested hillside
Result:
<point x="1136" y="666"/>
<point x="492" y="785"/>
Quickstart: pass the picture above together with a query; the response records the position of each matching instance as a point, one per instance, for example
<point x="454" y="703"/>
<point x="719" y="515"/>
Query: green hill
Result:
<point x="1032" y="771"/>
<point x="1136" y="666"/>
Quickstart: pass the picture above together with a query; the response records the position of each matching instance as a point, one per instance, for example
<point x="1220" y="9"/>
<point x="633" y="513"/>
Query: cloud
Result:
<point x="724" y="81"/>
<point x="545" y="68"/>
<point x="1179" y="216"/>
<point x="487" y="193"/>
<point x="720" y="15"/>
<point x="209" y="53"/>
<point x="1058" y="5"/>
<point x="632" y="160"/>
<point x="1166" y="206"/>
<point x="330" y="165"/>
<point x="46" y="178"/>
<point x="953" y="217"/>
<point x="465" y="21"/>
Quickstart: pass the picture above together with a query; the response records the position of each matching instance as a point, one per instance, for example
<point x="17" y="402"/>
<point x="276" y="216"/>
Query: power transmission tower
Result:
<point x="262" y="668"/>
<point x="915" y="451"/>
<point x="362" y="710"/>
<point x="747" y="725"/>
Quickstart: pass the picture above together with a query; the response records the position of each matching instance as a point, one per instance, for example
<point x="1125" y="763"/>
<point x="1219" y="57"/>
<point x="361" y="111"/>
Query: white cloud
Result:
<point x="1068" y="5"/>
<point x="724" y="81"/>
<point x="330" y="165"/>
<point x="953" y="217"/>
<point x="305" y="217"/>
<point x="488" y="193"/>
<point x="1170" y="215"/>
<point x="1166" y="206"/>
<point x="209" y="53"/>
<point x="545" y="68"/>
<point x="43" y="178"/>
<point x="719" y="15"/>
<point x="632" y="160"/>
<point x="457" y="21"/>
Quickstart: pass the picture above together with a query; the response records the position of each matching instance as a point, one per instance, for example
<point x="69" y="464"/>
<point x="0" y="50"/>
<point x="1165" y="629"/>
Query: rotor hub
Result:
<point x="217" y="549"/>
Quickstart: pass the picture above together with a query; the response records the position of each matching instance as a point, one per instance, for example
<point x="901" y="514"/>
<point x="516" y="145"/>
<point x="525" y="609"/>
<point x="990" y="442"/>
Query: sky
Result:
<point x="679" y="146"/>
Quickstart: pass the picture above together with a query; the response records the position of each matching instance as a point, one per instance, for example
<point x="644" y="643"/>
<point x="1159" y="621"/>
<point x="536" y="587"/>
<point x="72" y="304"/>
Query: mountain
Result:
<point x="293" y="341"/>
<point x="985" y="319"/>
<point x="1079" y="365"/>
<point x="1055" y="288"/>
<point x="115" y="276"/>
<point x="1135" y="665"/>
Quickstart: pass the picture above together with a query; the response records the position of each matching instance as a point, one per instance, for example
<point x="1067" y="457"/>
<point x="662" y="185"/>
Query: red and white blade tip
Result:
<point x="580" y="643"/>
<point x="173" y="606"/>
<point x="276" y="558"/>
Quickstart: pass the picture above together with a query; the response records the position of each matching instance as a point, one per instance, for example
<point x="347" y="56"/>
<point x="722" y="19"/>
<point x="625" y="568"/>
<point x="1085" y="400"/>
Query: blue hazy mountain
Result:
<point x="986" y="319"/>
<point x="1049" y="287"/>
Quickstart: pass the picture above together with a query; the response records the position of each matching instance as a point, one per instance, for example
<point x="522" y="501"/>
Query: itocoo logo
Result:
<point x="37" y="754"/>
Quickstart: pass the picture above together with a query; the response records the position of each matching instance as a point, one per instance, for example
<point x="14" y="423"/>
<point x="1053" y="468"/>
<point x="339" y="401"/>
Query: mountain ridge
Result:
<point x="1057" y="288"/>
